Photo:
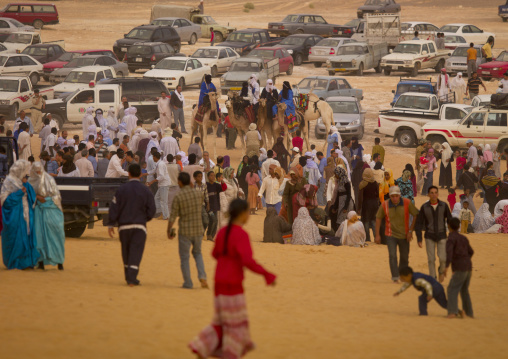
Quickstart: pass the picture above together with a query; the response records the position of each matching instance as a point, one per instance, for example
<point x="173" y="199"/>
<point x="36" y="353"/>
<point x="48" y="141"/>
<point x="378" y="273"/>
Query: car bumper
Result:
<point x="342" y="69"/>
<point x="279" y="32"/>
<point x="318" y="58"/>
<point x="345" y="131"/>
<point x="137" y="65"/>
<point x="456" y="68"/>
<point x="398" y="67"/>
<point x="496" y="74"/>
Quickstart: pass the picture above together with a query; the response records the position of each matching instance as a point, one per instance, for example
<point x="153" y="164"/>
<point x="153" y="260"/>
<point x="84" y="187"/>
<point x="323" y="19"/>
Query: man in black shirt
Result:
<point x="177" y="101"/>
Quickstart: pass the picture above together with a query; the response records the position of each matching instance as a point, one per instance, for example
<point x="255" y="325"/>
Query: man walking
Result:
<point x="269" y="161"/>
<point x="164" y="111"/>
<point x="212" y="37"/>
<point x="472" y="155"/>
<point x="433" y="218"/>
<point x="271" y="186"/>
<point x="473" y="85"/>
<point x="187" y="206"/>
<point x="398" y="230"/>
<point x="162" y="179"/>
<point x="38" y="104"/>
<point x="132" y="206"/>
<point x="173" y="172"/>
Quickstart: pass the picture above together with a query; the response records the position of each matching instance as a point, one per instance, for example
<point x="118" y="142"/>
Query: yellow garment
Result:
<point x="379" y="149"/>
<point x="471" y="54"/>
<point x="384" y="186"/>
<point x="488" y="50"/>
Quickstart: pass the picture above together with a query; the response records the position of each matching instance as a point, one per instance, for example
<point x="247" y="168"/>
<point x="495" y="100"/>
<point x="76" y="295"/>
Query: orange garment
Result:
<point x="471" y="54"/>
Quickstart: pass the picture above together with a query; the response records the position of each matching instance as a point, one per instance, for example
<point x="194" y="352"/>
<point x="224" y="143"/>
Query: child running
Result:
<point x="228" y="336"/>
<point x="429" y="287"/>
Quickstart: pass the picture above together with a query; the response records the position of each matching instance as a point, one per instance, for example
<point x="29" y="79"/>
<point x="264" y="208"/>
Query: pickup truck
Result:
<point x="302" y="24"/>
<point x="413" y="56"/>
<point x="18" y="41"/>
<point x="503" y="11"/>
<point x="483" y="124"/>
<point x="380" y="28"/>
<point x="357" y="57"/>
<point x="16" y="95"/>
<point x="205" y="21"/>
<point x="244" y="41"/>
<point x="242" y="68"/>
<point x="414" y="85"/>
<point x="412" y="110"/>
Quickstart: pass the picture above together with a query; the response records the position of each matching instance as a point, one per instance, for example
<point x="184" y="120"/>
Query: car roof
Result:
<point x="93" y="68"/>
<point x="251" y="30"/>
<point x="416" y="42"/>
<point x="483" y="97"/>
<point x="269" y="48"/>
<point x="86" y="56"/>
<point x="43" y="45"/>
<point x="466" y="45"/>
<point x="29" y="3"/>
<point x="455" y="25"/>
<point x="177" y="58"/>
<point x="219" y="48"/>
<point x="10" y="55"/>
<point x="127" y="79"/>
<point x="169" y="18"/>
<point x="324" y="78"/>
<point x="149" y="27"/>
<point x="342" y="98"/>
<point x="12" y="77"/>
<point x="303" y="35"/>
<point x="154" y="43"/>
<point x="419" y="94"/>
<point x="416" y="22"/>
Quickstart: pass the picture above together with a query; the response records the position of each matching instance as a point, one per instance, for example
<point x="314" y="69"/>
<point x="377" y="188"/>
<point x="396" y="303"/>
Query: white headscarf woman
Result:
<point x="446" y="154"/>
<point x="483" y="220"/>
<point x="458" y="85"/>
<point x="351" y="231"/>
<point x="88" y="121"/>
<point x="456" y="210"/>
<point x="346" y="163"/>
<point x="305" y="231"/>
<point x="13" y="183"/>
<point x="112" y="123"/>
<point x="269" y="85"/>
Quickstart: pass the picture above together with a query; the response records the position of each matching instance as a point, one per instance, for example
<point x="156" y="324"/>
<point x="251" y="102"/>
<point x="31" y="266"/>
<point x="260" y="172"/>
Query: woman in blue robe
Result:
<point x="286" y="96"/>
<point x="18" y="237"/>
<point x="48" y="218"/>
<point x="206" y="87"/>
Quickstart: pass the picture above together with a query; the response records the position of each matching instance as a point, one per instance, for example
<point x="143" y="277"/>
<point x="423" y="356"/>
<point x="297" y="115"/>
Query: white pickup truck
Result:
<point x="16" y="95"/>
<point x="16" y="42"/>
<point x="413" y="56"/>
<point x="412" y="110"/>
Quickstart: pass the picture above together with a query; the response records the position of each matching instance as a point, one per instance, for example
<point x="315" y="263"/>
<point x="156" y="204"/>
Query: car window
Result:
<point x="99" y="61"/>
<point x="190" y="65"/>
<point x="256" y="37"/>
<point x="466" y="29"/>
<point x="109" y="74"/>
<point x="425" y="48"/>
<point x="432" y="27"/>
<point x="99" y="76"/>
<point x="168" y="48"/>
<point x="343" y="84"/>
<point x="152" y="90"/>
<point x="58" y="50"/>
<point x="454" y="113"/>
<point x="197" y="64"/>
<point x="264" y="37"/>
<point x="13" y="61"/>
<point x="476" y="119"/>
<point x="157" y="35"/>
<point x="24" y="86"/>
<point x="107" y="96"/>
<point x="4" y="25"/>
<point x="108" y="61"/>
<point x="431" y="47"/>
<point x="319" y="20"/>
<point x="87" y="96"/>
<point x="25" y="8"/>
<point x="333" y="86"/>
<point x="13" y="8"/>
<point x="286" y="53"/>
<point x="231" y="53"/>
<point x="434" y="105"/>
<point x="278" y="54"/>
<point x="44" y="8"/>
<point x="156" y="49"/>
<point x="474" y="29"/>
<point x="497" y="119"/>
<point x="51" y="51"/>
<point x="132" y="91"/>
<point x="184" y="22"/>
<point x="223" y="54"/>
<point x="308" y="19"/>
<point x="168" y="33"/>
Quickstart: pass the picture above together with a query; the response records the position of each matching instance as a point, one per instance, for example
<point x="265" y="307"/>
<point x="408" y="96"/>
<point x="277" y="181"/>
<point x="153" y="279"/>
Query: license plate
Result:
<point x="339" y="32"/>
<point x="139" y="59"/>
<point x="485" y="72"/>
<point x="341" y="128"/>
<point x="235" y="88"/>
<point x="124" y="49"/>
<point x="340" y="70"/>
<point x="395" y="67"/>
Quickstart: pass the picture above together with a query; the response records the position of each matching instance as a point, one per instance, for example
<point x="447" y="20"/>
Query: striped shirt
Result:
<point x="474" y="84"/>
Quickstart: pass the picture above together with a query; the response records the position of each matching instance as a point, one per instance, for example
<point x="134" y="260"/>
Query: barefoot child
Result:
<point x="458" y="254"/>
<point x="429" y="287"/>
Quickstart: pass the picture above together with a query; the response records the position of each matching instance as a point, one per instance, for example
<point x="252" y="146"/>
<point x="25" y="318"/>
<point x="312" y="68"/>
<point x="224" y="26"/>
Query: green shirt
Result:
<point x="396" y="214"/>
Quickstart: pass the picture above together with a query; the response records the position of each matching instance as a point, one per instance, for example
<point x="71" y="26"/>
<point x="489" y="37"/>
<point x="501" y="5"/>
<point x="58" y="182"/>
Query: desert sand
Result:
<point x="329" y="302"/>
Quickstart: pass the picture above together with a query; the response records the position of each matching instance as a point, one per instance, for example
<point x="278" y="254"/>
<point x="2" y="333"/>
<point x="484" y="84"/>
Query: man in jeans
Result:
<point x="187" y="205"/>
<point x="433" y="219"/>
<point x="398" y="230"/>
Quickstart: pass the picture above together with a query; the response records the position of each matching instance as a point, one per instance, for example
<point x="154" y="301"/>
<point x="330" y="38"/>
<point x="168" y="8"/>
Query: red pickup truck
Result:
<point x="35" y="14"/>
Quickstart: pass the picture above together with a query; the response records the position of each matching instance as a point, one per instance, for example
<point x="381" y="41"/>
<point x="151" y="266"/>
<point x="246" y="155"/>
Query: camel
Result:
<point x="264" y="124"/>
<point x="317" y="108"/>
<point x="207" y="123"/>
<point x="278" y="125"/>
<point x="241" y="123"/>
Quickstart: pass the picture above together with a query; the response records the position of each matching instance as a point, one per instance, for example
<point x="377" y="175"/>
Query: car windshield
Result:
<point x="293" y="41"/>
<point x="70" y="96"/>
<point x="290" y="18"/>
<point x="8" y="85"/>
<point x="208" y="20"/>
<point x="350" y="50"/>
<point x="68" y="56"/>
<point x="405" y="25"/>
<point x="80" y="62"/>
<point x="245" y="67"/>
<point x="3" y="59"/>
<point x="462" y="52"/>
<point x="454" y="39"/>
<point x="142" y="34"/>
<point x="240" y="37"/>
<point x="353" y="23"/>
<point x="264" y="54"/>
<point x="16" y="23"/>
<point x="316" y="84"/>
<point x="413" y="102"/>
<point x="503" y="56"/>
<point x="139" y="50"/>
<point x="206" y="53"/>
<point x="375" y="2"/>
<point x="407" y="49"/>
<point x="349" y="107"/>
<point x="80" y="77"/>
<point x="449" y="28"/>
<point x="176" y="65"/>
<point x="19" y="38"/>
<point x="403" y="88"/>
<point x="328" y="43"/>
<point x="161" y="22"/>
<point x="35" y="51"/>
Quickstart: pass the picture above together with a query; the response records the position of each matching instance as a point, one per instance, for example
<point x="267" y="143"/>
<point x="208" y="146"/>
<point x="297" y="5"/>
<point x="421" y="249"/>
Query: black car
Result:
<point x="299" y="45"/>
<point x="147" y="33"/>
<point x="145" y="54"/>
<point x="44" y="52"/>
<point x="378" y="7"/>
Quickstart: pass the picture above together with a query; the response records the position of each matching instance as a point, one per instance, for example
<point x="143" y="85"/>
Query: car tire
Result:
<point x="131" y="69"/>
<point x="414" y="70"/>
<point x="215" y="72"/>
<point x="59" y="119"/>
<point x="299" y="31"/>
<point x="318" y="64"/>
<point x="298" y="59"/>
<point x="331" y="73"/>
<point x="193" y="39"/>
<point x="38" y="24"/>
<point x="378" y="69"/>
<point x="75" y="230"/>
<point x="181" y="82"/>
<point x="34" y="78"/>
<point x="289" y="72"/>
<point x="360" y="70"/>
<point x="218" y="36"/>
<point x="119" y="74"/>
<point x="387" y="71"/>
<point x="406" y="138"/>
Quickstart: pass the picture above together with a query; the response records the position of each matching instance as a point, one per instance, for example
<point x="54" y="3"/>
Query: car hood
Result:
<point x="291" y="47"/>
<point x="492" y="64"/>
<point x="345" y="117"/>
<point x="370" y="7"/>
<point x="4" y="95"/>
<point x="68" y="87"/>
<point x="344" y="58"/>
<point x="162" y="74"/>
<point x="63" y="71"/>
<point x="235" y="44"/>
<point x="239" y="76"/>
<point x="13" y="46"/>
<point x="128" y="42"/>
<point x="400" y="56"/>
<point x="55" y="64"/>
<point x="206" y="61"/>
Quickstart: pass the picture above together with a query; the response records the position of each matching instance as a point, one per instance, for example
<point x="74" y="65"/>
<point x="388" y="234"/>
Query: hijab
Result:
<point x="228" y="173"/>
<point x="263" y="156"/>
<point x="305" y="231"/>
<point x="446" y="154"/>
<point x="286" y="87"/>
<point x="503" y="221"/>
<point x="483" y="219"/>
<point x="456" y="210"/>
<point x="13" y="183"/>
<point x="341" y="173"/>
<point x="280" y="171"/>
<point x="44" y="185"/>
<point x="269" y="85"/>
<point x="367" y="177"/>
<point x="311" y="164"/>
<point x="406" y="176"/>
<point x="329" y="168"/>
<point x="227" y="162"/>
<point x="409" y="167"/>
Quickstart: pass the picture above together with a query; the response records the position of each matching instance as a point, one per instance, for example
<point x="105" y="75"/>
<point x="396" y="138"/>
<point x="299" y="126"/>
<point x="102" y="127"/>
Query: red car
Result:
<point x="494" y="69"/>
<point x="35" y="14"/>
<point x="68" y="56"/>
<point x="285" y="59"/>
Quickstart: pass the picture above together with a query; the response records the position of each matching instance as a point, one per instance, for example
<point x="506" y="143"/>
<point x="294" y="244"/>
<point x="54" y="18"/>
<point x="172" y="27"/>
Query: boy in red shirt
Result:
<point x="298" y="141"/>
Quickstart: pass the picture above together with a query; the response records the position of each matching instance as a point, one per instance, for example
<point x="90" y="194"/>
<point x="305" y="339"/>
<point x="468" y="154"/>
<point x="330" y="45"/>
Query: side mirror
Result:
<point x="391" y="51"/>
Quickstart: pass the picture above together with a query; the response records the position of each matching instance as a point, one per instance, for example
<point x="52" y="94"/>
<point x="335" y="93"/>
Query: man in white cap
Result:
<point x="169" y="145"/>
<point x="252" y="140"/>
<point x="398" y="229"/>
<point x="152" y="143"/>
<point x="472" y="155"/>
<point x="156" y="127"/>
<point x="296" y="157"/>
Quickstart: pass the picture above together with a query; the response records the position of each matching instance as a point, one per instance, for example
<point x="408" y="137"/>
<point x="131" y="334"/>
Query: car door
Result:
<point x="28" y="65"/>
<point x="199" y="70"/>
<point x="25" y="14"/>
<point x="118" y="66"/>
<point x="189" y="74"/>
<point x="344" y="89"/>
<point x="232" y="56"/>
<point x="4" y="27"/>
<point x="187" y="29"/>
<point x="223" y="60"/>
<point x="183" y="30"/>
<point x="321" y="27"/>
<point x="13" y="12"/>
<point x="157" y="36"/>
<point x="495" y="127"/>
<point x="51" y="54"/>
<point x="472" y="127"/>
<point x="477" y="34"/>
<point x="76" y="107"/>
<point x="14" y="66"/>
<point x="283" y="62"/>
<point x="308" y="22"/>
<point x="107" y="98"/>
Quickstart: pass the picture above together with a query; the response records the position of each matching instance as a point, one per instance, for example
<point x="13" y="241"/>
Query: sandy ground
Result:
<point x="329" y="302"/>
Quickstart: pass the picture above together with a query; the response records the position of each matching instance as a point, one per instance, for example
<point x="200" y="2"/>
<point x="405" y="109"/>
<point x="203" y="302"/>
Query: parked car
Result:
<point x="348" y="117"/>
<point x="469" y="32"/>
<point x="301" y="24"/>
<point x="480" y="101"/>
<point x="452" y="41"/>
<point x="8" y="25"/>
<point x="121" y="68"/>
<point x="147" y="33"/>
<point x="357" y="57"/>
<point x="241" y="70"/>
<point x="3" y="48"/>
<point x="379" y="28"/>
<point x="20" y="65"/>
<point x="15" y="92"/>
<point x="83" y="77"/>
<point x="35" y="14"/>
<point x="244" y="41"/>
<point x="503" y="12"/>
<point x="378" y="7"/>
<point x="217" y="58"/>
<point x="147" y="54"/>
<point x="267" y="53"/>
<point x="64" y="59"/>
<point x="206" y="22"/>
<point x="349" y="29"/>
<point x="16" y="42"/>
<point x="327" y="86"/>
<point x="458" y="61"/>
<point x="413" y="85"/>
<point x="179" y="70"/>
<point x="299" y="46"/>
<point x="187" y="31"/>
<point x="494" y="69"/>
<point x="324" y="49"/>
<point x="44" y="52"/>
<point x="412" y="26"/>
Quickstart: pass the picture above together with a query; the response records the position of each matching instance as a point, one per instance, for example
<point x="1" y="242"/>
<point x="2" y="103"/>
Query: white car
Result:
<point x="326" y="48"/>
<point x="420" y="26"/>
<point x="18" y="41"/>
<point x="480" y="101"/>
<point x="469" y="32"/>
<point x="179" y="70"/>
<point x="83" y="77"/>
<point x="20" y="65"/>
<point x="8" y="25"/>
<point x="219" y="59"/>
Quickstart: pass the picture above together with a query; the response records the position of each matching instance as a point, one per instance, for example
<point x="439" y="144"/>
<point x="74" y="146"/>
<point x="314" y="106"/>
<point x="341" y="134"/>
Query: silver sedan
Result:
<point x="348" y="117"/>
<point x="188" y="31"/>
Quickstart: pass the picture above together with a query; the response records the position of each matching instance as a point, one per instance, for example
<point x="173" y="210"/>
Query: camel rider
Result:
<point x="254" y="87"/>
<point x="272" y="97"/>
<point x="286" y="97"/>
<point x="252" y="140"/>
<point x="206" y="87"/>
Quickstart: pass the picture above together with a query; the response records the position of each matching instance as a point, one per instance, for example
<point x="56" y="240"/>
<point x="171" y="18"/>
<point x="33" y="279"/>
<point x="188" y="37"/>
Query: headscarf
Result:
<point x="367" y="158"/>
<point x="306" y="197"/>
<point x="406" y="176"/>
<point x="341" y="173"/>
<point x="345" y="223"/>
<point x="503" y="221"/>
<point x="329" y="168"/>
<point x="456" y="210"/>
<point x="228" y="173"/>
<point x="311" y="163"/>
<point x="263" y="156"/>
<point x="390" y="181"/>
<point x="269" y="85"/>
<point x="68" y="165"/>
<point x="367" y="177"/>
<point x="489" y="181"/>
<point x="409" y="167"/>
<point x="443" y="72"/>
<point x="208" y="78"/>
<point x="286" y="87"/>
<point x="305" y="231"/>
<point x="185" y="159"/>
<point x="446" y="154"/>
<point x="493" y="147"/>
<point x="341" y="156"/>
<point x="483" y="219"/>
<point x="44" y="185"/>
<point x="458" y="81"/>
<point x="13" y="183"/>
<point x="355" y="144"/>
<point x="227" y="162"/>
<point x="280" y="171"/>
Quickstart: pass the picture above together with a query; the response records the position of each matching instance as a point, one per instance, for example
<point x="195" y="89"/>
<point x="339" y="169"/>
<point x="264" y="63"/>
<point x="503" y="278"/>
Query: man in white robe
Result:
<point x="153" y="143"/>
<point x="130" y="120"/>
<point x="443" y="86"/>
<point x="112" y="123"/>
<point x="88" y="121"/>
<point x="458" y="85"/>
<point x="168" y="144"/>
<point x="133" y="143"/>
<point x="164" y="110"/>
<point x="24" y="149"/>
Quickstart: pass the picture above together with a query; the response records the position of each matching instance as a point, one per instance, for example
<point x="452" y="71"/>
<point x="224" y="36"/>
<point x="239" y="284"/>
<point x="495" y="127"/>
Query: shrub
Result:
<point x="311" y="5"/>
<point x="246" y="10"/>
<point x="248" y="6"/>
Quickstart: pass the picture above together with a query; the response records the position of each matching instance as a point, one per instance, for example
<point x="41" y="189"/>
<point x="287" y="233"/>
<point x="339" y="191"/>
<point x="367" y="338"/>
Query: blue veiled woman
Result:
<point x="206" y="87"/>
<point x="48" y="218"/>
<point x="18" y="237"/>
<point x="286" y="96"/>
